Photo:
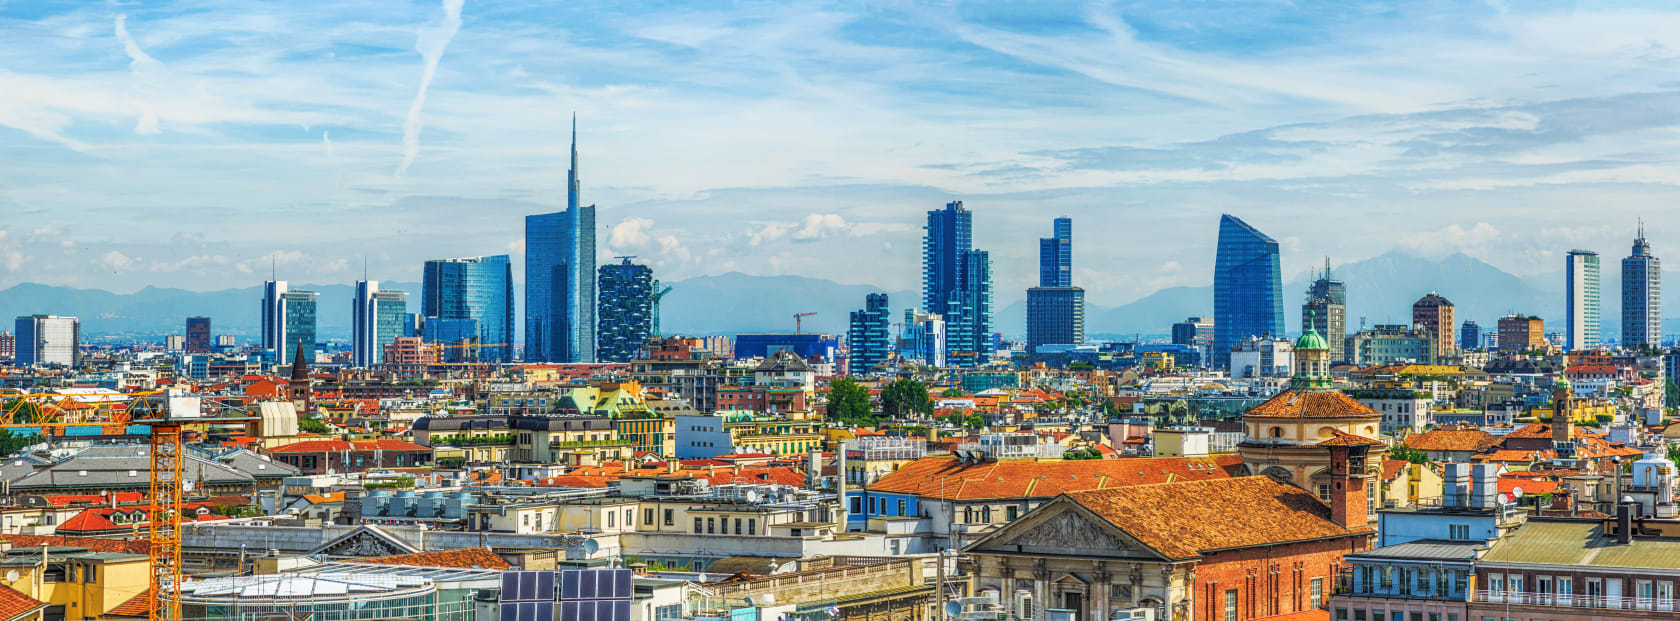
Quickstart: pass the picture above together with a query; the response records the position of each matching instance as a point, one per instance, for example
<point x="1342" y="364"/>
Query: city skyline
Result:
<point x="150" y="91"/>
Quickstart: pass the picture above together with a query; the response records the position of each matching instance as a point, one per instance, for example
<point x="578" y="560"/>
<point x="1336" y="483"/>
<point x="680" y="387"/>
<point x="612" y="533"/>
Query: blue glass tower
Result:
<point x="957" y="284"/>
<point x="476" y="288"/>
<point x="560" y="278"/>
<point x="1055" y="255"/>
<point x="1055" y="308"/>
<point x="1247" y="282"/>
<point x="288" y="321"/>
<point x="376" y="320"/>
<point x="868" y="340"/>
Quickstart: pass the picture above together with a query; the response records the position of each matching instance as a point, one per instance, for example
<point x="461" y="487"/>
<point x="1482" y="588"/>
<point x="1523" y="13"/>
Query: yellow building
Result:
<point x="649" y="434"/>
<point x="778" y="436"/>
<point x="78" y="583"/>
<point x="1584" y="410"/>
<point x="1157" y="360"/>
<point x="1403" y="483"/>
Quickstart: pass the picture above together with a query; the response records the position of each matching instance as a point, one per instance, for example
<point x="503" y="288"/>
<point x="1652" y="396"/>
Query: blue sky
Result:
<point x="192" y="144"/>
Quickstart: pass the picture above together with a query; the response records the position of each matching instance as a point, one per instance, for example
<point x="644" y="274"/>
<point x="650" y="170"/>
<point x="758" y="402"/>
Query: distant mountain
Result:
<point x="737" y="303"/>
<point x="154" y="311"/>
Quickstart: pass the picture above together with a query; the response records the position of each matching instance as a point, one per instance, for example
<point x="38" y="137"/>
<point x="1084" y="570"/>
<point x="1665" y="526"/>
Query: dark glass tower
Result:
<point x="1055" y="308"/>
<point x="1641" y="296"/>
<point x="479" y="289"/>
<point x="1247" y="287"/>
<point x="560" y="278"/>
<point x="626" y="311"/>
<point x="1055" y="255"/>
<point x="868" y="341"/>
<point x="957" y="284"/>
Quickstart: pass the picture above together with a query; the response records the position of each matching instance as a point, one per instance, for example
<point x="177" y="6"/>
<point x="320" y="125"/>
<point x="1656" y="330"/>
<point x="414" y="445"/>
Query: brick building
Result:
<point x="322" y="456"/>
<point x="1434" y="315"/>
<point x="1521" y="333"/>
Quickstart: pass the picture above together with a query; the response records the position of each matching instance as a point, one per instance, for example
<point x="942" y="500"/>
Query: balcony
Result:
<point x="1558" y="600"/>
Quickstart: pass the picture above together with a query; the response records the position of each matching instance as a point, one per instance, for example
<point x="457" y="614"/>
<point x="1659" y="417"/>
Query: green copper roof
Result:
<point x="1311" y="340"/>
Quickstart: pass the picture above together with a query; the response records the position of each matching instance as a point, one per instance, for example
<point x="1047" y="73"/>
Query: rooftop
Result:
<point x="1187" y="520"/>
<point x="1584" y="543"/>
<point x="949" y="478"/>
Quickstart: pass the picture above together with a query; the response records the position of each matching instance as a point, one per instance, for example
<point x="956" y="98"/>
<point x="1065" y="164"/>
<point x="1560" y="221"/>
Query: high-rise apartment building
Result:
<point x="1469" y="335"/>
<point x="1580" y="304"/>
<point x="175" y="343"/>
<point x="1247" y="288"/>
<point x="868" y="341"/>
<point x="48" y="339"/>
<point x="957" y="284"/>
<point x="625" y="311"/>
<point x="1055" y="308"/>
<point x="1641" y="296"/>
<point x="1326" y="312"/>
<point x="377" y="319"/>
<point x="1193" y="331"/>
<point x="1521" y="333"/>
<point x="560" y="278"/>
<point x="924" y="338"/>
<point x="479" y="289"/>
<point x="8" y="346"/>
<point x="1433" y="314"/>
<point x="288" y="321"/>
<point x="226" y="340"/>
<point x="198" y="335"/>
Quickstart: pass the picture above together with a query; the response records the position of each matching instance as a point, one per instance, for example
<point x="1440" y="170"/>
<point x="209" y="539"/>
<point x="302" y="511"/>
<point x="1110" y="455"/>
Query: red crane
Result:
<point x="799" y="321"/>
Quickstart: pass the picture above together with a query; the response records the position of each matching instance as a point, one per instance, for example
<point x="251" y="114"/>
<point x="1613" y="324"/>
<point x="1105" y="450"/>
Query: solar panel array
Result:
<point x="583" y="595"/>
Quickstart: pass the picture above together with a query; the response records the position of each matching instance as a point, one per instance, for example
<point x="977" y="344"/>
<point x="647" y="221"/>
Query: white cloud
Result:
<point x="766" y="233"/>
<point x="819" y="226"/>
<point x="1453" y="238"/>
<point x="430" y="43"/>
<point x="629" y="233"/>
<point x="116" y="260"/>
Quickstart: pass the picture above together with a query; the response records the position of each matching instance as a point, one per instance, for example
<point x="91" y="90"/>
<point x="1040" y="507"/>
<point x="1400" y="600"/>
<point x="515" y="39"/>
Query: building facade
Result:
<point x="1580" y="279"/>
<point x="288" y="321"/>
<point x="1326" y="311"/>
<point x="625" y="317"/>
<point x="1641" y="296"/>
<point x="198" y="335"/>
<point x="1391" y="344"/>
<point x="475" y="288"/>
<point x="1055" y="316"/>
<point x="47" y="339"/>
<point x="1247" y="287"/>
<point x="923" y="339"/>
<point x="1433" y="314"/>
<point x="957" y="284"/>
<point x="868" y="341"/>
<point x="376" y="321"/>
<point x="560" y="278"/>
<point x="1521" y="333"/>
<point x="1055" y="255"/>
<point x="1469" y="336"/>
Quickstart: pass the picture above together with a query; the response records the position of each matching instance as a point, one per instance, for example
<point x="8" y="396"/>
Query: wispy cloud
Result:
<point x="431" y="43"/>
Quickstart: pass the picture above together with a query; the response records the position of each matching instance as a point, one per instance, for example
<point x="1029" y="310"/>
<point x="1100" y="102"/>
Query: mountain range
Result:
<point x="1380" y="290"/>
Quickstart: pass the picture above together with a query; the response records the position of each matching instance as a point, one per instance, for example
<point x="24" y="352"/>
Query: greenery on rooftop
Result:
<point x="400" y="483"/>
<point x="313" y="425"/>
<point x="848" y="402"/>
<point x="1079" y="454"/>
<point x="1408" y="454"/>
<point x="495" y="440"/>
<point x="11" y="443"/>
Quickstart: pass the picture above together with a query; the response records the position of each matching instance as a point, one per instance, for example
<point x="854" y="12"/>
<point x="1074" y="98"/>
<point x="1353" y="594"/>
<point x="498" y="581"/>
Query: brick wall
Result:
<point x="1269" y="581"/>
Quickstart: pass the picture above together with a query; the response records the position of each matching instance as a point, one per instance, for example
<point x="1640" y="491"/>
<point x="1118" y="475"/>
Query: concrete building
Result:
<point x="1581" y="295"/>
<point x="923" y="339"/>
<point x="198" y="335"/>
<point x="47" y="339"/>
<point x="1391" y="344"/>
<point x="1326" y="311"/>
<point x="1469" y="336"/>
<point x="1433" y="314"/>
<point x="1261" y="357"/>
<point x="1521" y="333"/>
<point x="1402" y="409"/>
<point x="1641" y="296"/>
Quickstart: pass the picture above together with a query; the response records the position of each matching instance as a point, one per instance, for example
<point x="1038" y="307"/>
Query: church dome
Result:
<point x="1311" y="340"/>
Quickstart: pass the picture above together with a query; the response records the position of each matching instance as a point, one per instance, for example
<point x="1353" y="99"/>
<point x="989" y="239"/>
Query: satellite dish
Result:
<point x="752" y="496"/>
<point x="953" y="609"/>
<point x="12" y="576"/>
<point x="590" y="546"/>
<point x="1517" y="492"/>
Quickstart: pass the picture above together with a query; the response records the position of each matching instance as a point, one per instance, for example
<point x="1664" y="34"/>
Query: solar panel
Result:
<point x="620" y="609"/>
<point x="509" y="612"/>
<point x="545" y="587"/>
<point x="569" y="611"/>
<point x="623" y="587"/>
<point x="569" y="584"/>
<point x="510" y="586"/>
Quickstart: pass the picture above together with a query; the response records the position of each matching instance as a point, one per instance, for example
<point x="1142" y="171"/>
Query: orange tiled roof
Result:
<point x="139" y="606"/>
<point x="91" y="543"/>
<point x="1392" y="467"/>
<point x="1312" y="404"/>
<point x="1529" y="486"/>
<point x="328" y="446"/>
<point x="463" y="558"/>
<point x="948" y="478"/>
<point x="1451" y="439"/>
<point x="1189" y="519"/>
<point x="1348" y="439"/>
<point x="14" y="604"/>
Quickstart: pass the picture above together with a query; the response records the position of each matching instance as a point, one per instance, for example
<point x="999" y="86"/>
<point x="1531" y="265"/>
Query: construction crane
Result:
<point x="799" y="321"/>
<point x="470" y="347"/>
<point x="658" y="294"/>
<point x="157" y="410"/>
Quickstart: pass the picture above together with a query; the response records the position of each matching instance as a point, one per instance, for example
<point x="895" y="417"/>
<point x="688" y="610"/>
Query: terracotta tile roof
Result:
<point x="1451" y="439"/>
<point x="316" y="499"/>
<point x="1348" y="439"/>
<point x="463" y="558"/>
<point x="91" y="543"/>
<point x="1312" y="404"/>
<point x="1187" y="520"/>
<point x="947" y="477"/>
<point x="328" y="446"/>
<point x="65" y="500"/>
<point x="1515" y="456"/>
<point x="14" y="604"/>
<point x="1392" y="468"/>
<point x="139" y="606"/>
<point x="1529" y="486"/>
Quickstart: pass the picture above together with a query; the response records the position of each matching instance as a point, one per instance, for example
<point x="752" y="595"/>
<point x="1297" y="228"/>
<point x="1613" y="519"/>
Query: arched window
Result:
<point x="1277" y="432"/>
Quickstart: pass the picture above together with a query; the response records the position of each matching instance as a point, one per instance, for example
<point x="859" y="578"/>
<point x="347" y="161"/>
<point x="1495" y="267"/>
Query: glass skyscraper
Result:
<point x="1055" y="308"/>
<point x="476" y="288"/>
<point x="1641" y="296"/>
<point x="1055" y="255"/>
<point x="1580" y="304"/>
<point x="868" y="340"/>
<point x="1247" y="287"/>
<point x="957" y="284"/>
<point x="626" y="311"/>
<point x="377" y="319"/>
<point x="288" y="321"/>
<point x="560" y="278"/>
<point x="47" y="339"/>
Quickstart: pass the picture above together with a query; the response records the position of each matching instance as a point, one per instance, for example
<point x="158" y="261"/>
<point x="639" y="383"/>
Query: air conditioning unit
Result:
<point x="1024" y="606"/>
<point x="1136" y="614"/>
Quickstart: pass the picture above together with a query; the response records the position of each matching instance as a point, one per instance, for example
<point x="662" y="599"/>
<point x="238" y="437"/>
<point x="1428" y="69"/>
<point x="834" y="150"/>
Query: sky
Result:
<point x="201" y="144"/>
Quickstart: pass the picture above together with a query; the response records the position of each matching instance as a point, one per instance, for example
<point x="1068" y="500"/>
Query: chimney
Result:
<point x="1624" y="521"/>
<point x="1348" y="478"/>
<point x="626" y="464"/>
<point x="672" y="465"/>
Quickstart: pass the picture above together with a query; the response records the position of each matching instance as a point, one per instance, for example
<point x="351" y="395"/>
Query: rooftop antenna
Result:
<point x="273" y="267"/>
<point x="1327" y="267"/>
<point x="364" y="267"/>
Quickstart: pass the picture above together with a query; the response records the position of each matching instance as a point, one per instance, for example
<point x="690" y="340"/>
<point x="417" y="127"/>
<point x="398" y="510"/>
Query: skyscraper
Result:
<point x="1580" y="276"/>
<point x="1247" y="287"/>
<point x="288" y="321"/>
<point x="560" y="278"/>
<point x="957" y="284"/>
<point x="475" y="288"/>
<point x="626" y="311"/>
<point x="377" y="319"/>
<point x="198" y="335"/>
<point x="868" y="340"/>
<point x="48" y="339"/>
<point x="1326" y="312"/>
<point x="1641" y="296"/>
<point x="1433" y="314"/>
<point x="1469" y="335"/>
<point x="1055" y="308"/>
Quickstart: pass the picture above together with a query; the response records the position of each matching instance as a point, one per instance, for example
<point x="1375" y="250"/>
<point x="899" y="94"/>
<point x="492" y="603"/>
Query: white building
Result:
<point x="48" y="339"/>
<point x="1262" y="357"/>
<point x="1401" y="409"/>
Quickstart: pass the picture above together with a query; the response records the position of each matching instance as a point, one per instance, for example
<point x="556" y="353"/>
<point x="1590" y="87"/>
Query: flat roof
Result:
<point x="1582" y="543"/>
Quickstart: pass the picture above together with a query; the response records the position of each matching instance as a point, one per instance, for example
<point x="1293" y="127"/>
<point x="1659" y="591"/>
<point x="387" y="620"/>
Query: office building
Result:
<point x="1055" y="308"/>
<point x="1262" y="357"/>
<point x="807" y="346"/>
<point x="47" y="339"/>
<point x="198" y="335"/>
<point x="8" y="346"/>
<point x="1580" y="304"/>
<point x="226" y="340"/>
<point x="476" y="288"/>
<point x="923" y="339"/>
<point x="1469" y="335"/>
<point x="560" y="278"/>
<point x="626" y="311"/>
<point x="288" y="321"/>
<point x="1521" y="333"/>
<point x="1247" y="287"/>
<point x="1391" y="344"/>
<point x="868" y="340"/>
<point x="175" y="343"/>
<point x="1641" y="296"/>
<point x="957" y="284"/>
<point x="377" y="319"/>
<point x="1326" y="312"/>
<point x="1193" y="331"/>
<point x="1433" y="314"/>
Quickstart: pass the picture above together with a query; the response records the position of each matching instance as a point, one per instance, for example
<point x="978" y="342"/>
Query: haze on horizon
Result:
<point x="193" y="145"/>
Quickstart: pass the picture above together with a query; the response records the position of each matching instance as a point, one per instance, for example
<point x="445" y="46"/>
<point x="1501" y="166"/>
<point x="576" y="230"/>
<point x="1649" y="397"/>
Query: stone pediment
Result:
<point x="364" y="542"/>
<point x="1069" y="532"/>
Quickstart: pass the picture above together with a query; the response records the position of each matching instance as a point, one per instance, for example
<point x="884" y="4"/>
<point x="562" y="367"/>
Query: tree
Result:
<point x="1408" y="454"/>
<point x="848" y="402"/>
<point x="11" y="443"/>
<point x="1082" y="453"/>
<point x="906" y="396"/>
<point x="957" y="392"/>
<point x="312" y="425"/>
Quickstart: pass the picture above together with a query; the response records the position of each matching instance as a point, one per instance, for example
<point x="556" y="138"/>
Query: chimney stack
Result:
<point x="1624" y="521"/>
<point x="1349" y="504"/>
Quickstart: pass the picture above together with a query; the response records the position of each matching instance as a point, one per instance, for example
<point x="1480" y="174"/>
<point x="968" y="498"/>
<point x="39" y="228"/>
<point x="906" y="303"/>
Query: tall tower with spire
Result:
<point x="560" y="277"/>
<point x="1641" y="296"/>
<point x="1326" y="312"/>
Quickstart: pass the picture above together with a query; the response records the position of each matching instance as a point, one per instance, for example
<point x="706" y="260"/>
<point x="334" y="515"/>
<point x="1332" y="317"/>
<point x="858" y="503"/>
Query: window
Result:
<point x="1317" y="592"/>
<point x="1417" y="616"/>
<point x="90" y="573"/>
<point x="903" y="507"/>
<point x="857" y="504"/>
<point x="669" y="518"/>
<point x="1458" y="532"/>
<point x="697" y="526"/>
<point x="1377" y="615"/>
<point x="610" y="520"/>
<point x="986" y="514"/>
<point x="737" y="526"/>
<point x="752" y="526"/>
<point x="1231" y="606"/>
<point x="1324" y="492"/>
<point x="647" y="516"/>
<point x="629" y="517"/>
<point x="711" y="526"/>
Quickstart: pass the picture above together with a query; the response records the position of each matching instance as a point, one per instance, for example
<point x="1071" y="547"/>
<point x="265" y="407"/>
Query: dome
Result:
<point x="1561" y="383"/>
<point x="1311" y="340"/>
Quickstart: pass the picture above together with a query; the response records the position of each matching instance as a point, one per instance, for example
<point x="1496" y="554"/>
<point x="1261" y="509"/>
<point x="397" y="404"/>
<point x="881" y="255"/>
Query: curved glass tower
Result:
<point x="1247" y="283"/>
